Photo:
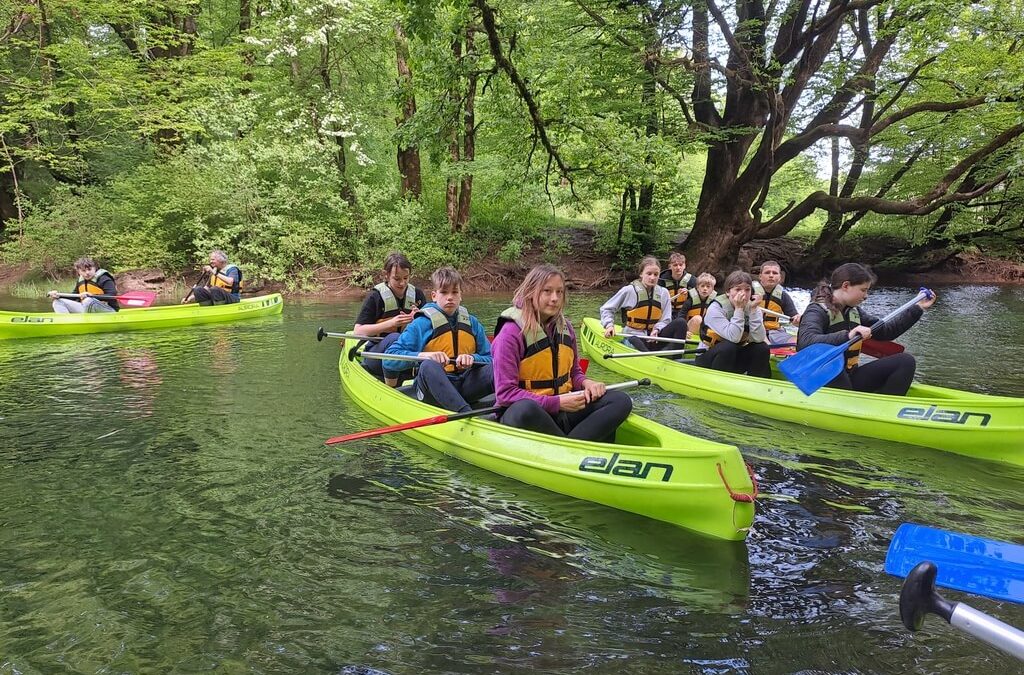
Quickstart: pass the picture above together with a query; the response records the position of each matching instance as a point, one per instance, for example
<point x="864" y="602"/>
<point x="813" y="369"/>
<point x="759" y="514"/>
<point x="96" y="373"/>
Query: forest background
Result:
<point x="312" y="135"/>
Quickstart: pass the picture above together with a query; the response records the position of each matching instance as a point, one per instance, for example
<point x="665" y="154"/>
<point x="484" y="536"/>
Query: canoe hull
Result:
<point x="651" y="470"/>
<point x="976" y="425"/>
<point x="27" y="325"/>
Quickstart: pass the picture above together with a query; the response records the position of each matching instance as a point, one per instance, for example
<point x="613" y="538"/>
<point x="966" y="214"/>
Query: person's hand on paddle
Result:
<point x="463" y="361"/>
<point x="654" y="333"/>
<point x="593" y="390"/>
<point x="52" y="294"/>
<point x="440" y="357"/>
<point x="609" y="331"/>
<point x="863" y="331"/>
<point x="574" y="401"/>
<point x="927" y="302"/>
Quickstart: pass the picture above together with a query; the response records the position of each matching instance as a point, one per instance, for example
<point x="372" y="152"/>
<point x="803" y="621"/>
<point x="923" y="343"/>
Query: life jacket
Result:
<point x="676" y="288"/>
<point x="647" y="311"/>
<point x="845" y="321"/>
<point x="92" y="286"/>
<point x="546" y="367"/>
<point x="391" y="305"/>
<point x="710" y="337"/>
<point x="772" y="301"/>
<point x="452" y="340"/>
<point x="232" y="286"/>
<point x="698" y="305"/>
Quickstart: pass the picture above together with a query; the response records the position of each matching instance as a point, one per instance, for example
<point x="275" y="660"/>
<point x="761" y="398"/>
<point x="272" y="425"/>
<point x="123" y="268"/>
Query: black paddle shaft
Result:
<point x="918" y="597"/>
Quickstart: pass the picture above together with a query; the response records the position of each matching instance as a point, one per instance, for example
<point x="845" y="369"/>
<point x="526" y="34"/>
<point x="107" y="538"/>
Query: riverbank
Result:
<point x="586" y="269"/>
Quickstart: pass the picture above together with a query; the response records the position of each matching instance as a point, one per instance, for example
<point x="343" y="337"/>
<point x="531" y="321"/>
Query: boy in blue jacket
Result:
<point x="457" y="370"/>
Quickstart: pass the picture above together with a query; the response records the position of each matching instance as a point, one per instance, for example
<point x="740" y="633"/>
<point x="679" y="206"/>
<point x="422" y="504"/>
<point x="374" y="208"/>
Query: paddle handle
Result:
<point x="88" y="295"/>
<point x="666" y="352"/>
<point x="988" y="629"/>
<point x="658" y="338"/>
<point x="321" y="334"/>
<point x="400" y="357"/>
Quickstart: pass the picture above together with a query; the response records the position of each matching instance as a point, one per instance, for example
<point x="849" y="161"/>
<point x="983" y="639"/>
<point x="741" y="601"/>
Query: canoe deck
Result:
<point x="972" y="424"/>
<point x="650" y="470"/>
<point x="14" y="325"/>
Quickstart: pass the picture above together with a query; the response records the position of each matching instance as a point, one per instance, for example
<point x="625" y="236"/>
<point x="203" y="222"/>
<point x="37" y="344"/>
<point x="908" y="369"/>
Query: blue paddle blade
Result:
<point x="983" y="566"/>
<point x="813" y="367"/>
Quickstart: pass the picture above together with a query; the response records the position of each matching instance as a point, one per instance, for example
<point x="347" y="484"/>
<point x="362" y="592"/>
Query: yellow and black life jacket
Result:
<point x="92" y="284"/>
<point x="452" y="340"/>
<point x="698" y="305"/>
<point x="391" y="305"/>
<point x="676" y="289"/>
<point x="647" y="311"/>
<point x="772" y="301"/>
<point x="710" y="337"/>
<point x="845" y="321"/>
<point x="232" y="286"/>
<point x="546" y="367"/>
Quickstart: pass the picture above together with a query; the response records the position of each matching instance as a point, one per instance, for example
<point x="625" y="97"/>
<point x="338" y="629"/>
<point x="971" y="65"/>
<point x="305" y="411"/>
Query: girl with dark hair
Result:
<point x="733" y="329"/>
<point x="537" y="374"/>
<point x="834" y="316"/>
<point x="388" y="308"/>
<point x="643" y="307"/>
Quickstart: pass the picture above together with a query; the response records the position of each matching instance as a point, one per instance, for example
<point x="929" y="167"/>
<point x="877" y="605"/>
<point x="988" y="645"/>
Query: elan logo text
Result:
<point x="625" y="467"/>
<point x="948" y="416"/>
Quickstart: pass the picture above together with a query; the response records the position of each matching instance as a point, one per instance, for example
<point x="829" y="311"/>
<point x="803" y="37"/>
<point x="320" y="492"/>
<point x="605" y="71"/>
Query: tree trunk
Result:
<point x="468" y="134"/>
<point x="408" y="155"/>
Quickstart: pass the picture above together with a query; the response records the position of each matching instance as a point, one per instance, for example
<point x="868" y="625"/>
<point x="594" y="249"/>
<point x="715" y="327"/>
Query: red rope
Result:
<point x="740" y="496"/>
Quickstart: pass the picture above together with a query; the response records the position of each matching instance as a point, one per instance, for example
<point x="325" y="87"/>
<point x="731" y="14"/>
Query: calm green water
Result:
<point x="167" y="505"/>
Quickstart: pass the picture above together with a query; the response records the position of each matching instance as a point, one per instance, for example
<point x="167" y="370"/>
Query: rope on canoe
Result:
<point x="740" y="496"/>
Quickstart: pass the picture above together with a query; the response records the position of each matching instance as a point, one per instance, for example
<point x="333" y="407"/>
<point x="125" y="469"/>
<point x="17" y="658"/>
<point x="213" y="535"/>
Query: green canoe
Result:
<point x="977" y="425"/>
<point x="651" y="469"/>
<point x="49" y="324"/>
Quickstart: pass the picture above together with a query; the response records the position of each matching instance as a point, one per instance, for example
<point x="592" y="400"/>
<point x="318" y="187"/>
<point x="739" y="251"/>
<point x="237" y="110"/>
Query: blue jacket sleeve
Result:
<point x="483" y="345"/>
<point x="410" y="343"/>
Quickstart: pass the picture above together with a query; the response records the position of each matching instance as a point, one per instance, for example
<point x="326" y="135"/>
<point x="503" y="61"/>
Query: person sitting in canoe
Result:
<point x="687" y="321"/>
<point x="733" y="329"/>
<point x="775" y="298"/>
<point x="388" y="308"/>
<point x="223" y="284"/>
<point x="91" y="281"/>
<point x="834" y="316"/>
<point x="537" y="373"/>
<point x="677" y="281"/>
<point x="644" y="307"/>
<point x="443" y="331"/>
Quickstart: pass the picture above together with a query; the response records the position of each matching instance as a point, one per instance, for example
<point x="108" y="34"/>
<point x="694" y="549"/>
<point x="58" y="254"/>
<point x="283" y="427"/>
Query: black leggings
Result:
<point x="676" y="329"/>
<point x="433" y="386"/>
<point x="641" y="345"/>
<point x="751" y="358"/>
<point x="376" y="366"/>
<point x="597" y="422"/>
<point x="212" y="295"/>
<point x="888" y="375"/>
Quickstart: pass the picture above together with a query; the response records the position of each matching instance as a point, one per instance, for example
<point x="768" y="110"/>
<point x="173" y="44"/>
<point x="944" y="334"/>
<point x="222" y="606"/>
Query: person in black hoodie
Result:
<point x="834" y="316"/>
<point x="91" y="281"/>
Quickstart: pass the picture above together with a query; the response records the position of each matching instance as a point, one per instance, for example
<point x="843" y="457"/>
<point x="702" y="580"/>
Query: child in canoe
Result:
<point x="441" y="332"/>
<point x="687" y="321"/>
<point x="834" y="316"/>
<point x="537" y="373"/>
<point x="677" y="281"/>
<point x="91" y="281"/>
<point x="387" y="310"/>
<point x="734" y="331"/>
<point x="775" y="298"/>
<point x="643" y="306"/>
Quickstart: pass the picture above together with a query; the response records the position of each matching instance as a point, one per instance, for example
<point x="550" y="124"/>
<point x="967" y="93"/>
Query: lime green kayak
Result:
<point x="651" y="469"/>
<point x="49" y="324"/>
<point x="977" y="425"/>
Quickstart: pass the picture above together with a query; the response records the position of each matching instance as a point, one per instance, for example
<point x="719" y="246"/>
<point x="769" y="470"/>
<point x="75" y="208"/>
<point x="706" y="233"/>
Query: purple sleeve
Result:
<point x="507" y="350"/>
<point x="576" y="374"/>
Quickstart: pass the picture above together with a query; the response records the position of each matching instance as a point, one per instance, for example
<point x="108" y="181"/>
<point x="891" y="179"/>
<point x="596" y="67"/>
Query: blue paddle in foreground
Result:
<point x="813" y="367"/>
<point x="979" y="565"/>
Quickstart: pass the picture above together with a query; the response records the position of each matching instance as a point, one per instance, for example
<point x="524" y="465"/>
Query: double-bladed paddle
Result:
<point x="451" y="417"/>
<point x="814" y="366"/>
<point x="927" y="557"/>
<point x="657" y="338"/>
<point x="871" y="347"/>
<point x="321" y="334"/>
<point x="129" y="299"/>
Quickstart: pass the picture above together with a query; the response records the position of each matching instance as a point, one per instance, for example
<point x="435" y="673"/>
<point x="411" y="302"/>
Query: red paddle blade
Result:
<point x="880" y="348"/>
<point x="584" y="364"/>
<point x="137" y="298"/>
<point x="439" y="419"/>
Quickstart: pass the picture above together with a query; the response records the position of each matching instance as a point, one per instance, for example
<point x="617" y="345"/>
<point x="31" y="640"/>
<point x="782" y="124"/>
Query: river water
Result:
<point x="167" y="505"/>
